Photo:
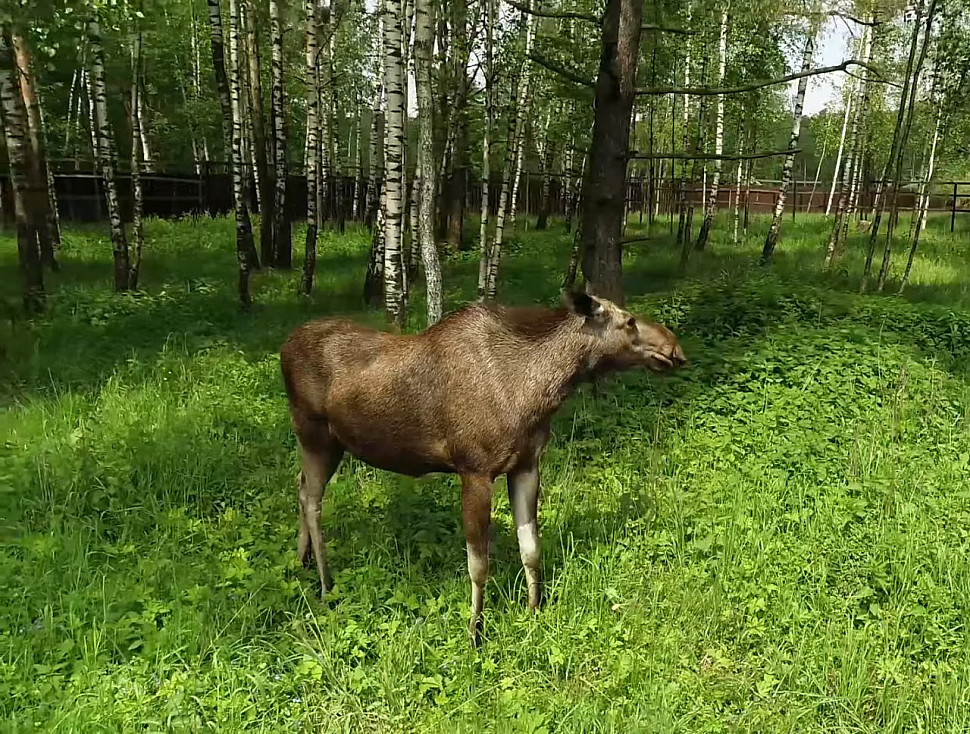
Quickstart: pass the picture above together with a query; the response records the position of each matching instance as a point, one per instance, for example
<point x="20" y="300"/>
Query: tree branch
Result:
<point x="560" y="70"/>
<point x="549" y="14"/>
<point x="667" y="29"/>
<point x="714" y="91"/>
<point x="712" y="156"/>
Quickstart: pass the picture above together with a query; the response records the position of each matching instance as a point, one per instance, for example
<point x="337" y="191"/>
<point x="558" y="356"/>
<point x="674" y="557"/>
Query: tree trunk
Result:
<point x="786" y="175"/>
<point x="245" y="247"/>
<point x="106" y="146"/>
<point x="48" y="233"/>
<point x="894" y="151"/>
<point x="742" y="142"/>
<point x="312" y="148"/>
<point x="603" y="192"/>
<point x="853" y="164"/>
<point x="508" y="195"/>
<point x="394" y="297"/>
<point x="546" y="156"/>
<point x="923" y="203"/>
<point x="267" y="198"/>
<point x="423" y="43"/>
<point x="484" y="244"/>
<point x="684" y="203"/>
<point x="137" y="154"/>
<point x="818" y="173"/>
<point x="838" y="157"/>
<point x="222" y="82"/>
<point x="907" y="126"/>
<point x="26" y="197"/>
<point x="375" y="173"/>
<point x="702" y="236"/>
<point x="281" y="236"/>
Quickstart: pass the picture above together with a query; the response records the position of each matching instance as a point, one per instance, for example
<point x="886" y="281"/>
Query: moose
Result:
<point x="471" y="395"/>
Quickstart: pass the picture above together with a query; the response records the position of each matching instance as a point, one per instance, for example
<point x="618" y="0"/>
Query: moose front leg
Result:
<point x="524" y="499"/>
<point x="476" y="511"/>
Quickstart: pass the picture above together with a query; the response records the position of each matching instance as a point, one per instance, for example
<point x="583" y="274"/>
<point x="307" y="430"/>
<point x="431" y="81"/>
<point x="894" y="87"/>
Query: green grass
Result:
<point x="774" y="540"/>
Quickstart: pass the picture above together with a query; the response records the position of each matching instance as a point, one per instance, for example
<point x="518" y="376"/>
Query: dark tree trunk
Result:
<point x="25" y="196"/>
<point x="605" y="185"/>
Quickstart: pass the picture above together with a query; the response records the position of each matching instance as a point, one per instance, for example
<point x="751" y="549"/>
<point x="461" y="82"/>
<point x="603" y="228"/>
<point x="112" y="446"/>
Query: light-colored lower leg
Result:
<point x="524" y="498"/>
<point x="303" y="545"/>
<point x="476" y="500"/>
<point x="317" y="470"/>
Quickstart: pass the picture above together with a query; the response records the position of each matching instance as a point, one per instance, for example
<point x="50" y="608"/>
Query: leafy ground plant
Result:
<point x="774" y="540"/>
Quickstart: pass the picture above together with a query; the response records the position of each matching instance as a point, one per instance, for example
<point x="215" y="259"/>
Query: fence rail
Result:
<point x="80" y="196"/>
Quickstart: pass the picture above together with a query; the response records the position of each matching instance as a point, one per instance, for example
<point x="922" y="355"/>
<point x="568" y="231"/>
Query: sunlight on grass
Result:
<point x="774" y="540"/>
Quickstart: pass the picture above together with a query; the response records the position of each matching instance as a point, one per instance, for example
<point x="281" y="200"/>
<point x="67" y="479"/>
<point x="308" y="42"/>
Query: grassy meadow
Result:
<point x="774" y="540"/>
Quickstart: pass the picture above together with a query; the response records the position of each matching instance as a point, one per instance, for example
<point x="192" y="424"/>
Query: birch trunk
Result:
<point x="137" y="155"/>
<point x="907" y="126"/>
<point x="216" y="37"/>
<point x="737" y="186"/>
<point x="264" y="182"/>
<point x="312" y="149"/>
<point x="484" y="244"/>
<point x="282" y="238"/>
<point x="894" y="151"/>
<point x="513" y="170"/>
<point x="106" y="146"/>
<point x="48" y="233"/>
<point x="685" y="134"/>
<point x="394" y="297"/>
<point x="245" y="247"/>
<point x="708" y="222"/>
<point x="818" y="173"/>
<point x="546" y="156"/>
<point x="838" y="157"/>
<point x="853" y="163"/>
<point x="786" y="175"/>
<point x="358" y="171"/>
<point x="924" y="200"/>
<point x="26" y="197"/>
<point x="423" y="43"/>
<point x="375" y="172"/>
<point x="143" y="134"/>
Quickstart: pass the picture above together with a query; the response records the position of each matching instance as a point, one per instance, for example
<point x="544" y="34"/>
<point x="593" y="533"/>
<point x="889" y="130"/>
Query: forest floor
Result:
<point x="776" y="539"/>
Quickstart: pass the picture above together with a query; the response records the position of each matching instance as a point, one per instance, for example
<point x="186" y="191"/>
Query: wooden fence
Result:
<point x="80" y="196"/>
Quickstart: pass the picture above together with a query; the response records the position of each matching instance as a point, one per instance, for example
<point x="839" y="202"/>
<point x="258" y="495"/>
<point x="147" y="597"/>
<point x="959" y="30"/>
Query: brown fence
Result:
<point x="80" y="196"/>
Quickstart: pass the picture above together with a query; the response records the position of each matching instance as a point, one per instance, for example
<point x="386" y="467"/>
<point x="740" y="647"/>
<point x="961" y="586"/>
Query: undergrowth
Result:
<point x="776" y="539"/>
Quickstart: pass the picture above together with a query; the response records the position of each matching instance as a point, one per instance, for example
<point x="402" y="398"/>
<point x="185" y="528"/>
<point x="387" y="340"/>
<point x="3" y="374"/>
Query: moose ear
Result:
<point x="583" y="304"/>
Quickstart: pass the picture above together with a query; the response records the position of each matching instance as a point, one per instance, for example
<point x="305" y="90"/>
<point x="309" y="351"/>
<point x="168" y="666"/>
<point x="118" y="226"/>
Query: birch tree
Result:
<point x="137" y="158"/>
<point x="512" y="173"/>
<point x="108" y="157"/>
<point x="13" y="115"/>
<point x="49" y="234"/>
<point x="312" y="148"/>
<point x="281" y="235"/>
<point x="395" y="303"/>
<point x="838" y="156"/>
<point x="257" y="117"/>
<point x="718" y="136"/>
<point x="423" y="42"/>
<point x="771" y="240"/>
<point x="488" y="7"/>
<point x="218" y="48"/>
<point x="246" y="256"/>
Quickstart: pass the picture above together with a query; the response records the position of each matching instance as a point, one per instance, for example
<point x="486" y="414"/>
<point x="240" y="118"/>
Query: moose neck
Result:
<point x="551" y="364"/>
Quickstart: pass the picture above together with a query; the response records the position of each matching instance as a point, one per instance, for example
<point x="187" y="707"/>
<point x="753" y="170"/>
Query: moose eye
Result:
<point x="631" y="323"/>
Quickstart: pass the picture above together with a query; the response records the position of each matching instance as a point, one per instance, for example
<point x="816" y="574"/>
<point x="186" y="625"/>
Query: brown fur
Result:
<point x="471" y="395"/>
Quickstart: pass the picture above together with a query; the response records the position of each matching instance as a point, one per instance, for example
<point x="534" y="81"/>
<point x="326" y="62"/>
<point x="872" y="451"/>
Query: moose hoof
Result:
<point x="475" y="633"/>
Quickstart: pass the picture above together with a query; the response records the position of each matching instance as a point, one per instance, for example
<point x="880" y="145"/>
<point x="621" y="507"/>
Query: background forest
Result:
<point x="774" y="539"/>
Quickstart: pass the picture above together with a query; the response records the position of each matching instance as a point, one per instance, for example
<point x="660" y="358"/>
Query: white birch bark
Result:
<point x="484" y="244"/>
<point x="923" y="205"/>
<point x="394" y="297"/>
<point x="282" y="246"/>
<point x="771" y="240"/>
<point x="708" y="222"/>
<point x="106" y="148"/>
<point x="838" y="156"/>
<point x="137" y="157"/>
<point x="312" y="149"/>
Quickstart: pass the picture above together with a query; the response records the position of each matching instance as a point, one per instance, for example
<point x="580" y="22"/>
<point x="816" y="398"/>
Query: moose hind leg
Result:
<point x="524" y="499"/>
<point x="476" y="510"/>
<point x="319" y="464"/>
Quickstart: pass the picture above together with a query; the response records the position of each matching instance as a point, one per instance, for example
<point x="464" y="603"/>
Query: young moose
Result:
<point x="472" y="395"/>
